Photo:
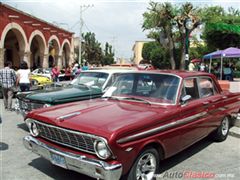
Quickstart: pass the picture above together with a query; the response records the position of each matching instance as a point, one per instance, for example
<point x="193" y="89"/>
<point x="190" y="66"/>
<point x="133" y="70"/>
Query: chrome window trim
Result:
<point x="215" y="90"/>
<point x="161" y="128"/>
<point x="161" y="73"/>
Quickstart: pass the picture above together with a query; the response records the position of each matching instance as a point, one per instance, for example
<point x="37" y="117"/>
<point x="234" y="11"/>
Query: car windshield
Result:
<point x="92" y="79"/>
<point x="147" y="88"/>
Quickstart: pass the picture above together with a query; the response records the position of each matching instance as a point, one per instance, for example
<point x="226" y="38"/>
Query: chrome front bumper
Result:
<point x="91" y="167"/>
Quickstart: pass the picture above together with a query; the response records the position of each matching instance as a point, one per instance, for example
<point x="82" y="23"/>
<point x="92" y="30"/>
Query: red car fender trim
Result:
<point x="161" y="128"/>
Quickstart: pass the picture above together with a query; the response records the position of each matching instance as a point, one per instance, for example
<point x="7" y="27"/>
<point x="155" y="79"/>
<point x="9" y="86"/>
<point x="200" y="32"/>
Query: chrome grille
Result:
<point x="29" y="106"/>
<point x="76" y="140"/>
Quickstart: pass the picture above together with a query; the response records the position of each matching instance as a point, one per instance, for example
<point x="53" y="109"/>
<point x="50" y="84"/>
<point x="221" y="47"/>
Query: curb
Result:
<point x="235" y="132"/>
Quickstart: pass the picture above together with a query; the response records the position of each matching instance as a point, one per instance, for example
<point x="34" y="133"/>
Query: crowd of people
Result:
<point x="70" y="71"/>
<point x="227" y="69"/>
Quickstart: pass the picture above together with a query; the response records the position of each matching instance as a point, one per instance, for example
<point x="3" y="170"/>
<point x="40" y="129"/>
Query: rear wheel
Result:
<point x="146" y="165"/>
<point x="222" y="131"/>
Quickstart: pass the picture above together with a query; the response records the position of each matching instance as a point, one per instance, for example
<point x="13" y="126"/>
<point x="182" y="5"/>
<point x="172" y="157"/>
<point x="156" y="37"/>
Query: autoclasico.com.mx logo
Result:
<point x="192" y="175"/>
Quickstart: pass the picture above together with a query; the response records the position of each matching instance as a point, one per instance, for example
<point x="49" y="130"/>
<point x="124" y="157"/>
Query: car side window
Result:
<point x="190" y="87"/>
<point x="206" y="87"/>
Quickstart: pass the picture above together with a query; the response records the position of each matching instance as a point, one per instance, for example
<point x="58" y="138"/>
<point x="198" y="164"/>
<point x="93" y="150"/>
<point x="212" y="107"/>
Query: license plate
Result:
<point x="58" y="160"/>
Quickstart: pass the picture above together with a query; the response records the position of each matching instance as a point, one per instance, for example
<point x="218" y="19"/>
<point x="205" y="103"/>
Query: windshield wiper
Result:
<point x="81" y="84"/>
<point x="111" y="97"/>
<point x="136" y="99"/>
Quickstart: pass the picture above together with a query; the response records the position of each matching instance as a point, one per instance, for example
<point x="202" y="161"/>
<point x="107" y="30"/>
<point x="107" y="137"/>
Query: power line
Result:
<point x="82" y="9"/>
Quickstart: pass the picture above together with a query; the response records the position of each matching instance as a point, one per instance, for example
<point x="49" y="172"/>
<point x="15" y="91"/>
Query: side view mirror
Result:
<point x="185" y="98"/>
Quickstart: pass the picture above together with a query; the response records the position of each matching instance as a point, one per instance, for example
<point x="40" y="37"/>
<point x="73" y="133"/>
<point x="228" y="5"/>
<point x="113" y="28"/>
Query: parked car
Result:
<point x="40" y="81"/>
<point x="88" y="85"/>
<point x="142" y="119"/>
<point x="46" y="72"/>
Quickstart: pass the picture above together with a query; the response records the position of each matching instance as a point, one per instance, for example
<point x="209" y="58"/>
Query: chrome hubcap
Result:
<point x="225" y="126"/>
<point x="146" y="167"/>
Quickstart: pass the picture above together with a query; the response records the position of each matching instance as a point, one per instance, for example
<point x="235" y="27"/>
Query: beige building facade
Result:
<point x="137" y="51"/>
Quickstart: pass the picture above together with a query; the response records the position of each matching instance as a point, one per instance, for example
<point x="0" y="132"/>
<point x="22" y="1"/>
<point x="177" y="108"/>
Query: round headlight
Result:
<point x="32" y="127"/>
<point x="101" y="149"/>
<point x="46" y="105"/>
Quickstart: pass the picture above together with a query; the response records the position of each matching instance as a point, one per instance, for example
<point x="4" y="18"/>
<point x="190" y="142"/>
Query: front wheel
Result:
<point x="146" y="165"/>
<point x="222" y="131"/>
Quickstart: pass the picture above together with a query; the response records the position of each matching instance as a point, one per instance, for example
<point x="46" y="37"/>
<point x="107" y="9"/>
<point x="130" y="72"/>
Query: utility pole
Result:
<point x="113" y="40"/>
<point x="82" y="9"/>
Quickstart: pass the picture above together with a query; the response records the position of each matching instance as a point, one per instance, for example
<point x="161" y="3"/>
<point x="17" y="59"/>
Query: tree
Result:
<point x="108" y="56"/>
<point x="221" y="28"/>
<point x="92" y="51"/>
<point x="166" y="25"/>
<point x="154" y="52"/>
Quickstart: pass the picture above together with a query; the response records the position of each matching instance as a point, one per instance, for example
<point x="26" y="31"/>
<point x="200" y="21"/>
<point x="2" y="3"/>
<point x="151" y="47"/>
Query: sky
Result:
<point x="118" y="22"/>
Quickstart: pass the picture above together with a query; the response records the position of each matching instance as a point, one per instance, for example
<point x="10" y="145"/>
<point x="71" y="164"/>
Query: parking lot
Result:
<point x="221" y="159"/>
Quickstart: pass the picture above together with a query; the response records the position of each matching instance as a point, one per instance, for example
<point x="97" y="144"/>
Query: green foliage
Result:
<point x="197" y="50"/>
<point x="147" y="48"/>
<point x="93" y="53"/>
<point x="165" y="23"/>
<point x="237" y="65"/>
<point x="222" y="28"/>
<point x="108" y="57"/>
<point x="156" y="54"/>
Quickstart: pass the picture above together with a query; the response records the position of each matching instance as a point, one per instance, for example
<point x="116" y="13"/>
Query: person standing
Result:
<point x="23" y="77"/>
<point x="8" y="81"/>
<point x="192" y="66"/>
<point x="55" y="73"/>
<point x="85" y="67"/>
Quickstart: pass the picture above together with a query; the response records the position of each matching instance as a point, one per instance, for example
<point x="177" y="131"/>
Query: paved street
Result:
<point x="17" y="163"/>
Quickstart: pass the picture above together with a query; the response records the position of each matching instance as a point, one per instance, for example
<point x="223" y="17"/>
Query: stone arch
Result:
<point x="66" y="41"/>
<point x="54" y="51"/>
<point x="40" y="34"/>
<point x="65" y="52"/>
<point x="14" y="42"/>
<point x="18" y="29"/>
<point x="52" y="38"/>
<point x="37" y="47"/>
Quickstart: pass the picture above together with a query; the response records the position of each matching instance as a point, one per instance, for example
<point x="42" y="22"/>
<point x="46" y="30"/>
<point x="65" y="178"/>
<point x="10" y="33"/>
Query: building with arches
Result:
<point x="28" y="38"/>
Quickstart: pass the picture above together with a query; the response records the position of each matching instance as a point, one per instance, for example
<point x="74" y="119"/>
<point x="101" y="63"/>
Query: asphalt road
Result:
<point x="17" y="163"/>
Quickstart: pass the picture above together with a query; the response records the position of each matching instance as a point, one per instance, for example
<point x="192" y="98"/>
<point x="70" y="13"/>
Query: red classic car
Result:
<point x="143" y="118"/>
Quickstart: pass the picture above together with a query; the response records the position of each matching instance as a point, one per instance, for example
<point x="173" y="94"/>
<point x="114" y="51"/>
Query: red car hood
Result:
<point x="101" y="117"/>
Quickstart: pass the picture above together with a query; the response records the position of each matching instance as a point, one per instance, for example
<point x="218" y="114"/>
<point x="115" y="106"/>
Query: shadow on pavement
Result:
<point x="56" y="172"/>
<point x="185" y="154"/>
<point x="61" y="174"/>
<point x="3" y="146"/>
<point x="23" y="126"/>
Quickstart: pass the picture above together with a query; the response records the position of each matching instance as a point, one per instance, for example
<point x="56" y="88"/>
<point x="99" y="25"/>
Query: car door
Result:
<point x="194" y="113"/>
<point x="212" y="100"/>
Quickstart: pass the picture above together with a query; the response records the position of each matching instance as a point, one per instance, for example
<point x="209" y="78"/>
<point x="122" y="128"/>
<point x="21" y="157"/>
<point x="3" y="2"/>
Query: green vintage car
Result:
<point x="88" y="85"/>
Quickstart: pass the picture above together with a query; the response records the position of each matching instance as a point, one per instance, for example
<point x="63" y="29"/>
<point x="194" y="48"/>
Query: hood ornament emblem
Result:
<point x="62" y="118"/>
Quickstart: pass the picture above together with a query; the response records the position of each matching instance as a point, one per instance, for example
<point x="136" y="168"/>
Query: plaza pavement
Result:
<point x="235" y="130"/>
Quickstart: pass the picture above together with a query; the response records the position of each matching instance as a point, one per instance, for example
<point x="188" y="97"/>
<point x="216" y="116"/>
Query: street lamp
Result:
<point x="188" y="24"/>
